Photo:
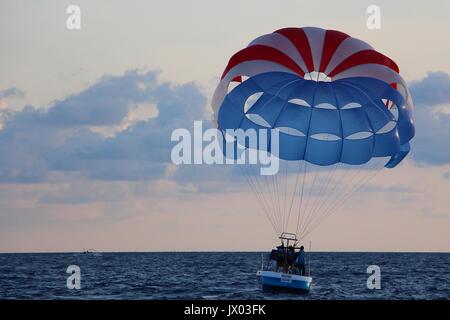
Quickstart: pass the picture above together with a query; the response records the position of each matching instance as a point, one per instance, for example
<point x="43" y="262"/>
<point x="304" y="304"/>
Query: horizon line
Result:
<point x="214" y="251"/>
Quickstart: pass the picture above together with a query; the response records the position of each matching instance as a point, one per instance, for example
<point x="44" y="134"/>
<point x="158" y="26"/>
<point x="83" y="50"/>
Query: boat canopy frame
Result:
<point x="287" y="237"/>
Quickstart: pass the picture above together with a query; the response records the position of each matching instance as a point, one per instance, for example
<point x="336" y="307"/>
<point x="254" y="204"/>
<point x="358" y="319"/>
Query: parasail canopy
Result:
<point x="340" y="106"/>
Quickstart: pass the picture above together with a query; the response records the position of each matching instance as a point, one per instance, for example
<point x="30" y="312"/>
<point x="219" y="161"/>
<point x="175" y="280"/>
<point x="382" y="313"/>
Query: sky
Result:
<point x="86" y="118"/>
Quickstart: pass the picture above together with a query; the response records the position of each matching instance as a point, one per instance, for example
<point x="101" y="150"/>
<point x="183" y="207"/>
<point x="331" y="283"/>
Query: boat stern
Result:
<point x="271" y="280"/>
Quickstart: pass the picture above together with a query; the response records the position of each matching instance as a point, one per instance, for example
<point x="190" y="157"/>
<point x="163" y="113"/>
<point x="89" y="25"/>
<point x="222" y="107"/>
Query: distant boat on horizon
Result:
<point x="92" y="252"/>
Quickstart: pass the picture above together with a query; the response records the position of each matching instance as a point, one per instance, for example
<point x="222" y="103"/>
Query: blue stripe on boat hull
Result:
<point x="275" y="283"/>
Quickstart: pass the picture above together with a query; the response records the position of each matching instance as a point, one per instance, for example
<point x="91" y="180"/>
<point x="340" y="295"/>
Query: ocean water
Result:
<point x="218" y="275"/>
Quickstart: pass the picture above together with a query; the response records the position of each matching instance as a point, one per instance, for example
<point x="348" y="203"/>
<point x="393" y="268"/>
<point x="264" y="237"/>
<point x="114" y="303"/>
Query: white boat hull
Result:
<point x="276" y="280"/>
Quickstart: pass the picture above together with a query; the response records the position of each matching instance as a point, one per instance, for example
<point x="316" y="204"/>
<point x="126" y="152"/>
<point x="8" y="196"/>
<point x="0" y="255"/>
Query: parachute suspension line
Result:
<point x="348" y="187"/>
<point x="294" y="192"/>
<point x="326" y="185"/>
<point x="300" y="213"/>
<point x="286" y="222"/>
<point x="307" y="193"/>
<point x="273" y="199"/>
<point x="269" y="182"/>
<point x="324" y="190"/>
<point x="319" y="172"/>
<point x="260" y="197"/>
<point x="344" y="184"/>
<point x="301" y="196"/>
<point x="269" y="200"/>
<point x="308" y="199"/>
<point x="363" y="181"/>
<point x="313" y="217"/>
<point x="320" y="197"/>
<point x="285" y="195"/>
<point x="366" y="178"/>
<point x="277" y="195"/>
<point x="317" y="210"/>
<point x="267" y="205"/>
<point x="275" y="176"/>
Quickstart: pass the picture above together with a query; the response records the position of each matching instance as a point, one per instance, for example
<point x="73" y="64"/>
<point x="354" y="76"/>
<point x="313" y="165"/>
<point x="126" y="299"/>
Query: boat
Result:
<point x="289" y="279"/>
<point x="271" y="281"/>
<point x="92" y="252"/>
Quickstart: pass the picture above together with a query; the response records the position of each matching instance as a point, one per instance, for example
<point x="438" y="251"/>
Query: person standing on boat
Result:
<point x="301" y="261"/>
<point x="291" y="258"/>
<point x="280" y="256"/>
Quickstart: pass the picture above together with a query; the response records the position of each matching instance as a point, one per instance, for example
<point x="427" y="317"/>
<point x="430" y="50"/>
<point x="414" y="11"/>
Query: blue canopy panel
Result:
<point x="322" y="122"/>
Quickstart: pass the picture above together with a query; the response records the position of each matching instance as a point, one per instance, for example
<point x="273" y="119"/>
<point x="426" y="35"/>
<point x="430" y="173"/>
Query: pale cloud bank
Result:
<point x="431" y="94"/>
<point x="67" y="135"/>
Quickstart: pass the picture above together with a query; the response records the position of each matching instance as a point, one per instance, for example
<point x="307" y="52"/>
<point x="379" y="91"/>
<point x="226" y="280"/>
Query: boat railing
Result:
<point x="268" y="264"/>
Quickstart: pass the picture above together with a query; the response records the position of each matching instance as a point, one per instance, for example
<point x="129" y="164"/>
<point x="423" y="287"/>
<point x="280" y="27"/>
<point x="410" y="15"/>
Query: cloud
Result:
<point x="396" y="188"/>
<point x="12" y="92"/>
<point x="35" y="142"/>
<point x="432" y="90"/>
<point x="64" y="137"/>
<point x="435" y="213"/>
<point x="105" y="103"/>
<point x="5" y="96"/>
<point x="431" y="143"/>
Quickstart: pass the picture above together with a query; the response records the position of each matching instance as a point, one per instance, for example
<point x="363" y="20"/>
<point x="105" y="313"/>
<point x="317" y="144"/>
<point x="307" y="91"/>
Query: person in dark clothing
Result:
<point x="290" y="256"/>
<point x="280" y="256"/>
<point x="301" y="261"/>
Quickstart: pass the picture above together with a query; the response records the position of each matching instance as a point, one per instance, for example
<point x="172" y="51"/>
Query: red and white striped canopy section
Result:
<point x="312" y="53"/>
